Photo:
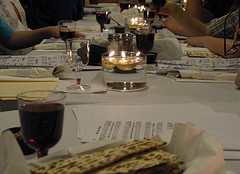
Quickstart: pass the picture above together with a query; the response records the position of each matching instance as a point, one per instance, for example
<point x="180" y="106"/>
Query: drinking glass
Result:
<point x="41" y="116"/>
<point x="124" y="4"/>
<point x="102" y="17"/>
<point x="145" y="39"/>
<point x="67" y="31"/>
<point x="77" y="61"/>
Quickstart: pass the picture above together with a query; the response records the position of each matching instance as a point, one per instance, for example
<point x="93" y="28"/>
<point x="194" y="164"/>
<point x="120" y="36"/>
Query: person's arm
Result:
<point x="23" y="39"/>
<point x="175" y="27"/>
<point x="195" y="9"/>
<point x="216" y="45"/>
<point x="189" y="23"/>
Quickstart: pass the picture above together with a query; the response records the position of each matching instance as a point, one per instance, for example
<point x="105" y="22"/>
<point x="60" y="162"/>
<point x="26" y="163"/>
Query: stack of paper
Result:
<point x="130" y="122"/>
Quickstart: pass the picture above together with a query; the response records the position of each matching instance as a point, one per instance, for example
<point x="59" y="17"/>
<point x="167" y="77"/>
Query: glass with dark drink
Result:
<point x="102" y="17"/>
<point x="141" y="2"/>
<point x="41" y="116"/>
<point x="144" y="40"/>
<point x="148" y="14"/>
<point x="67" y="31"/>
<point x="124" y="5"/>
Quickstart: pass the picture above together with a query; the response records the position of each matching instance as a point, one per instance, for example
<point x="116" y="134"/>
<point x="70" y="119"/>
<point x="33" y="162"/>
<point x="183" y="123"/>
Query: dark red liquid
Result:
<point x="124" y="5"/>
<point x="149" y="14"/>
<point x="145" y="42"/>
<point x="41" y="124"/>
<point x="67" y="34"/>
<point x="142" y="2"/>
<point x="101" y="18"/>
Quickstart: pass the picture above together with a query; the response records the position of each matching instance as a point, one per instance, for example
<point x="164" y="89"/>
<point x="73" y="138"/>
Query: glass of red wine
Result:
<point x="124" y="4"/>
<point x="77" y="61"/>
<point x="145" y="39"/>
<point x="67" y="31"/>
<point x="102" y="17"/>
<point x="41" y="116"/>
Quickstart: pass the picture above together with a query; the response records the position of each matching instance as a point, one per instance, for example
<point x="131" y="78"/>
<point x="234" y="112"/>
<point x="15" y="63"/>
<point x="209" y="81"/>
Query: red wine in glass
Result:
<point x="67" y="35"/>
<point x="149" y="14"/>
<point x="124" y="5"/>
<point x="41" y="125"/>
<point x="142" y="2"/>
<point x="102" y="17"/>
<point x="145" y="41"/>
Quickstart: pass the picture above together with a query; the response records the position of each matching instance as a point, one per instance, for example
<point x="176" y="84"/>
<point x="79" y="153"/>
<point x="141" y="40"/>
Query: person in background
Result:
<point x="43" y="13"/>
<point x="22" y="39"/>
<point x="207" y="10"/>
<point x="216" y="45"/>
<point x="183" y="23"/>
<point x="204" y="35"/>
<point x="13" y="13"/>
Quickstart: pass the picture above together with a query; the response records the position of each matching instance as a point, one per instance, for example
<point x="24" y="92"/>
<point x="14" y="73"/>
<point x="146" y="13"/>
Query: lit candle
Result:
<point x="136" y="23"/>
<point x="109" y="62"/>
<point x="126" y="64"/>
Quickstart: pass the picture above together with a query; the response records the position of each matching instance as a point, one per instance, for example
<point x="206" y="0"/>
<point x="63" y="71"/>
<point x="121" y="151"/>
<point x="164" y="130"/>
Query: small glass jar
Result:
<point x="127" y="39"/>
<point x="113" y="42"/>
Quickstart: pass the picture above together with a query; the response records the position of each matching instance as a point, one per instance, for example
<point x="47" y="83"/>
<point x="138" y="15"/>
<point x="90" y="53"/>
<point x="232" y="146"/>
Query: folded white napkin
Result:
<point x="98" y="84"/>
<point x="26" y="79"/>
<point x="54" y="46"/>
<point x="200" y="151"/>
<point x="130" y="11"/>
<point x="12" y="160"/>
<point x="208" y="75"/>
<point x="59" y="71"/>
<point x="100" y="41"/>
<point x="167" y="46"/>
<point x="87" y="28"/>
<point x="117" y="16"/>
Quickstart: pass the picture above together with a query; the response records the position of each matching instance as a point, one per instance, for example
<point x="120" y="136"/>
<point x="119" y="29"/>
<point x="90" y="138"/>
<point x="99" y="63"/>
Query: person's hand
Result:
<point x="78" y="34"/>
<point x="172" y="25"/>
<point x="53" y="31"/>
<point x="169" y="8"/>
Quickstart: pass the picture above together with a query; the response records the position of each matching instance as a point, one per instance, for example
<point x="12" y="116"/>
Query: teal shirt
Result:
<point x="6" y="31"/>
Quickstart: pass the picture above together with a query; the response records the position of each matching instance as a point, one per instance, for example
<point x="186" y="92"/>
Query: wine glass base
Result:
<point x="79" y="88"/>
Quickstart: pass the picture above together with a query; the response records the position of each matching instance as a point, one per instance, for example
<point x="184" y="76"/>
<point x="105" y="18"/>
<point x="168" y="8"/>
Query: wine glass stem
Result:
<point x="78" y="76"/>
<point x="66" y="47"/>
<point x="69" y="50"/>
<point x="101" y="28"/>
<point x="42" y="152"/>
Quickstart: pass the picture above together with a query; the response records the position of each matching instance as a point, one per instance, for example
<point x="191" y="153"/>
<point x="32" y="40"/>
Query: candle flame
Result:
<point x="132" y="20"/>
<point x="111" y="53"/>
<point x="123" y="54"/>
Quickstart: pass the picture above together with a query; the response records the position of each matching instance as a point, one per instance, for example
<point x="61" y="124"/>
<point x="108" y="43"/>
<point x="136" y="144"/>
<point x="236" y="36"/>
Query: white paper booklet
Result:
<point x="131" y="122"/>
<point x="32" y="61"/>
<point x="201" y="63"/>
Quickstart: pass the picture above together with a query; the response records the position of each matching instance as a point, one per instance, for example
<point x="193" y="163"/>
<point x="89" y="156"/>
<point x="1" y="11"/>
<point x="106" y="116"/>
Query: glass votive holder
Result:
<point x="133" y="23"/>
<point x="125" y="70"/>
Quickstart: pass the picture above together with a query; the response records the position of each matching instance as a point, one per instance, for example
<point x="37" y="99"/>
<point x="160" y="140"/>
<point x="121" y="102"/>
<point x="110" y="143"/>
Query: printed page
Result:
<point x="137" y="122"/>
